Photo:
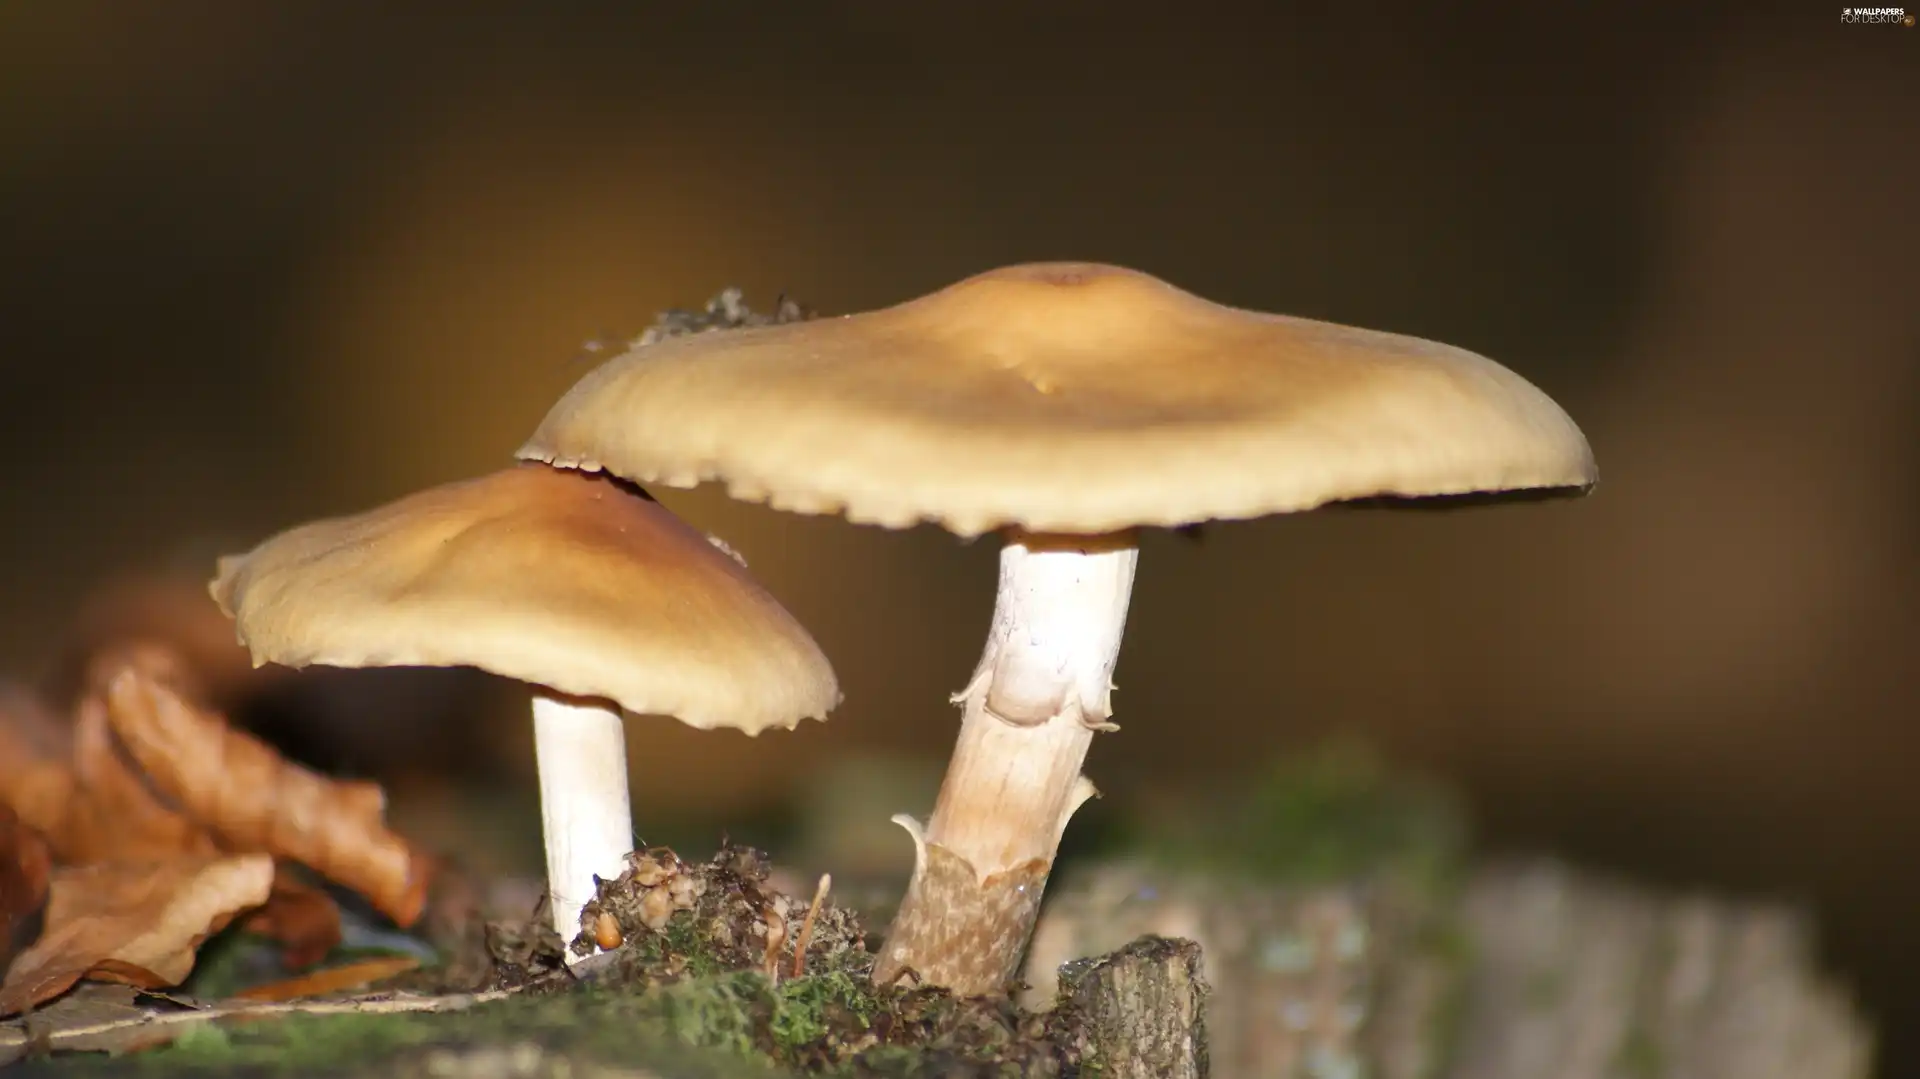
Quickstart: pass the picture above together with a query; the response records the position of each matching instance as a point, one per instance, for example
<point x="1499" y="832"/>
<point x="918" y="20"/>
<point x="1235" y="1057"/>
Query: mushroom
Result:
<point x="574" y="582"/>
<point x="1067" y="405"/>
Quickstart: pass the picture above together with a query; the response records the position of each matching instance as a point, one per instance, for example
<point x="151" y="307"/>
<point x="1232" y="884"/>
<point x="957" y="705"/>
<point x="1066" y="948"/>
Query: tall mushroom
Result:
<point x="587" y="589"/>
<point x="1067" y="405"/>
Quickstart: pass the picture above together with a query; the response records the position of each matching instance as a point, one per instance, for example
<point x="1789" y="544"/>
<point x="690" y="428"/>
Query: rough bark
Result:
<point x="1141" y="1010"/>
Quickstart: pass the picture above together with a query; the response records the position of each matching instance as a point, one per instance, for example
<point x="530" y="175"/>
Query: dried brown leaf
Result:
<point x="25" y="864"/>
<point x="36" y="774"/>
<point x="115" y="813"/>
<point x="132" y="922"/>
<point x="253" y="799"/>
<point x="303" y="918"/>
<point x="356" y="975"/>
<point x="72" y="783"/>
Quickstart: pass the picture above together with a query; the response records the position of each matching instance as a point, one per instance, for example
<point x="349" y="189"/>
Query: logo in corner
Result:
<point x="1876" y="16"/>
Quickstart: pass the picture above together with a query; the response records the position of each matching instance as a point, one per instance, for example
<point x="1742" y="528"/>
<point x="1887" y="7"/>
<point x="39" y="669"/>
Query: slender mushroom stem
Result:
<point x="1042" y="688"/>
<point x="580" y="750"/>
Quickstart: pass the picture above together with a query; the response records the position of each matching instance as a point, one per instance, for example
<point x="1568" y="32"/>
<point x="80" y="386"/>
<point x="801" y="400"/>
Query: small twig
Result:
<point x="806" y="927"/>
<point x="776" y="936"/>
<point x="162" y="1021"/>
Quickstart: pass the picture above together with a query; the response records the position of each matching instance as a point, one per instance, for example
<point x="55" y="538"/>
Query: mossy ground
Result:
<point x="703" y="980"/>
<point x="586" y="1029"/>
<point x="728" y="964"/>
<point x="708" y="989"/>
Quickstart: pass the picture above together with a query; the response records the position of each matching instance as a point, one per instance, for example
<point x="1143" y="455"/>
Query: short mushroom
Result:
<point x="573" y="582"/>
<point x="1066" y="404"/>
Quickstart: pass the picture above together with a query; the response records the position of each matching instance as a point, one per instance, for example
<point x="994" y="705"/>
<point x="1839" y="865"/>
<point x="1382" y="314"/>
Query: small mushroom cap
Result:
<point x="564" y="579"/>
<point x="1063" y="397"/>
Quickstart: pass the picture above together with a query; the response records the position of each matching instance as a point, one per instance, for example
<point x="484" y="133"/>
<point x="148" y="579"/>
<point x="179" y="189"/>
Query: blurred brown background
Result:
<point x="269" y="262"/>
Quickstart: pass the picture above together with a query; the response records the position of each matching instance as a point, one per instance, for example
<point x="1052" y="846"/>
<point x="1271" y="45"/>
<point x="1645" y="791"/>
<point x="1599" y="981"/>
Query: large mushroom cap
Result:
<point x="1063" y="397"/>
<point x="563" y="579"/>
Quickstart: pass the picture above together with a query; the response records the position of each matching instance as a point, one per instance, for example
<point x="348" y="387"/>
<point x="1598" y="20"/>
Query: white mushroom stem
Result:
<point x="1043" y="686"/>
<point x="580" y="750"/>
<point x="1041" y="690"/>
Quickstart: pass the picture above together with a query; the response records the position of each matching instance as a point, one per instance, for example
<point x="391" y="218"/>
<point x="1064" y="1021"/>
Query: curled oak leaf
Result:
<point x="72" y="783"/>
<point x="302" y="918"/>
<point x="25" y="864"/>
<point x="115" y="813"/>
<point x="138" y="923"/>
<point x="254" y="799"/>
<point x="153" y="660"/>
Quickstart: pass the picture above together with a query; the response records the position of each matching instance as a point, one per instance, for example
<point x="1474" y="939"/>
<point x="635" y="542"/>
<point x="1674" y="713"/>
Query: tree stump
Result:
<point x="1511" y="972"/>
<point x="1140" y="1010"/>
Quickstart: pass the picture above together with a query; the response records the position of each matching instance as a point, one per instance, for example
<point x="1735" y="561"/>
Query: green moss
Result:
<point x="807" y="1009"/>
<point x="691" y="990"/>
<point x="890" y="1060"/>
<point x="209" y="1043"/>
<point x="711" y="1013"/>
<point x="743" y="1013"/>
<point x="1446" y="944"/>
<point x="1544" y="989"/>
<point x="583" y="1027"/>
<point x="1640" y="1056"/>
<point x="839" y="1023"/>
<point x="682" y="946"/>
<point x="1334" y="814"/>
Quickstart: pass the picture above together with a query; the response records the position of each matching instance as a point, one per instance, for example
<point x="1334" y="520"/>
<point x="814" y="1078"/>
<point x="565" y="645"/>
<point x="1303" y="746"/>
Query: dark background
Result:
<point x="264" y="262"/>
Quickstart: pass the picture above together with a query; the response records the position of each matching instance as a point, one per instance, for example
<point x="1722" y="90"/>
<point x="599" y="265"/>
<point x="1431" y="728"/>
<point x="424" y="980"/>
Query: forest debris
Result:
<point x="131" y="922"/>
<point x="523" y="953"/>
<point x="727" y="310"/>
<point x="320" y="983"/>
<point x="303" y="918"/>
<point x="254" y="799"/>
<point x="76" y="787"/>
<point x="165" y="825"/>
<point x="806" y="927"/>
<point x="83" y="1025"/>
<point x="111" y="1008"/>
<point x="25" y="865"/>
<point x="677" y="917"/>
<point x="455" y="926"/>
